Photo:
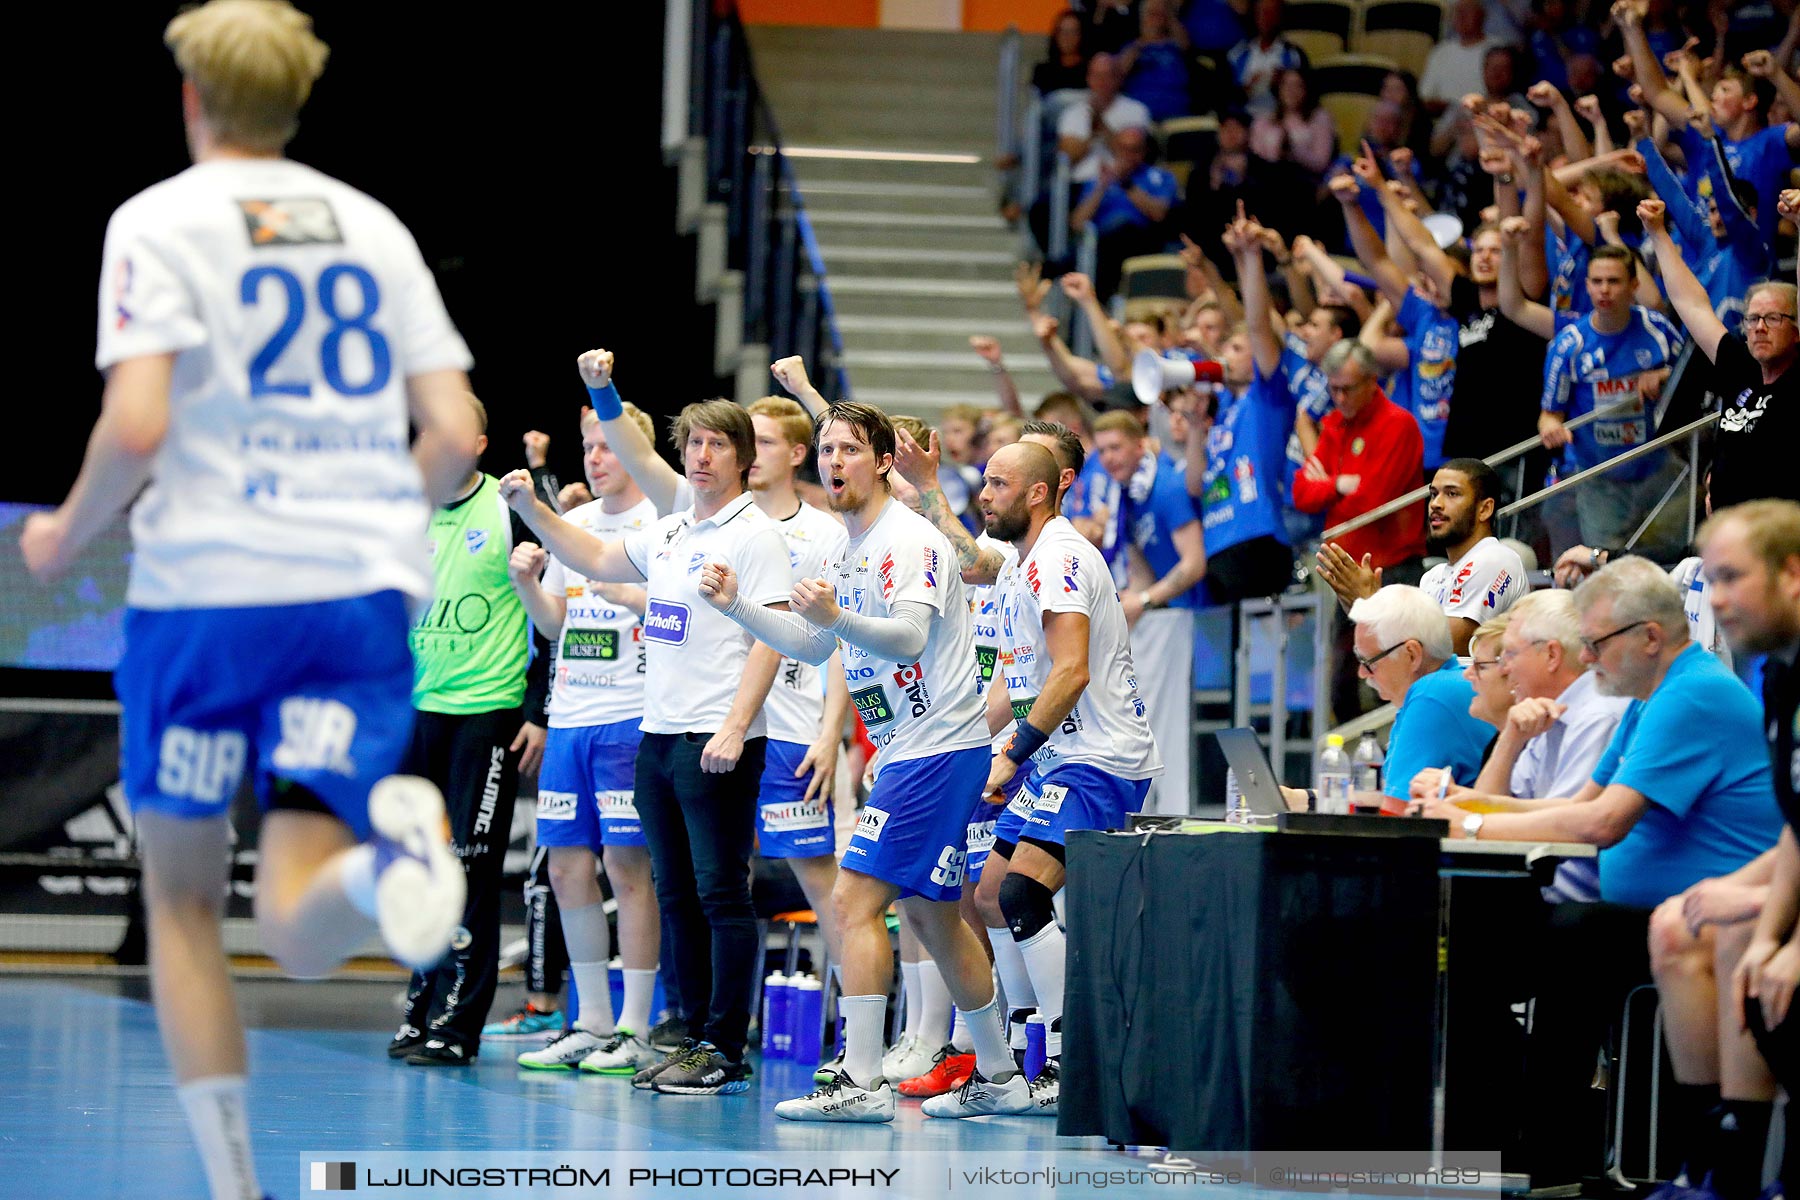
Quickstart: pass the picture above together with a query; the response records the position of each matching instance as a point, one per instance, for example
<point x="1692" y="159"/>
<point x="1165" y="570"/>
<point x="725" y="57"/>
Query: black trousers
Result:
<point x="1780" y="1048"/>
<point x="1251" y="570"/>
<point x="468" y="757"/>
<point x="700" y="828"/>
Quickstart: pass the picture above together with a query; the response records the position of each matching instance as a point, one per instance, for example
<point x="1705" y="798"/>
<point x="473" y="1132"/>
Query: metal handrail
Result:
<point x="1562" y="485"/>
<point x="1006" y="107"/>
<point x="1511" y="452"/>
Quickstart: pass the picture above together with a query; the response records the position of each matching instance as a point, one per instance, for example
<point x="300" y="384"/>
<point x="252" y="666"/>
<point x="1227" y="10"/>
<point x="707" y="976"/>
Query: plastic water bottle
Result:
<point x="1036" y="1046"/>
<point x="778" y="1001"/>
<point x="804" y="1018"/>
<point x="1366" y="767"/>
<point x="1333" y="776"/>
<point x="1237" y="808"/>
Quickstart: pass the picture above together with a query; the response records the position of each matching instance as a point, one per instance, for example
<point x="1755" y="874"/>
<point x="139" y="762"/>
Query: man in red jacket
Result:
<point x="1370" y="451"/>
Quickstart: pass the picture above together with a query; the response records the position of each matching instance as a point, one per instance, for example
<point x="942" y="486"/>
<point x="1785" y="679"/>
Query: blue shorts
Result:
<point x="980" y="838"/>
<point x="787" y="824"/>
<point x="1069" y="797"/>
<point x="586" y="787"/>
<point x="914" y="831"/>
<point x="318" y="695"/>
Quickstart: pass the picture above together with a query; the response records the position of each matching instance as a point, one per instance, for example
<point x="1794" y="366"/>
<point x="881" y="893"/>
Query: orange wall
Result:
<point x="993" y="16"/>
<point x="989" y="16"/>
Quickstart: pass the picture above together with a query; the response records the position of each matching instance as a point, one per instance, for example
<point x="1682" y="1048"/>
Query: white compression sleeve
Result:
<point x="784" y="632"/>
<point x="898" y="638"/>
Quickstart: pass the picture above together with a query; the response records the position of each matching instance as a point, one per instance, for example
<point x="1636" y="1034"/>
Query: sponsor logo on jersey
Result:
<point x="555" y="806"/>
<point x="911" y="681"/>
<point x="800" y="814"/>
<point x="291" y="221"/>
<point x="475" y="540"/>
<point x="569" y="593"/>
<point x="931" y="565"/>
<point x="666" y="622"/>
<point x="1022" y="708"/>
<point x="1031" y="577"/>
<point x="1071" y="571"/>
<point x="886" y="574"/>
<point x="872" y="706"/>
<point x="984" y="662"/>
<point x="1025" y="655"/>
<point x="602" y="644"/>
<point x="617" y="805"/>
<point x="1462" y="577"/>
<point x="1496" y="589"/>
<point x="869" y="823"/>
<point x="1614" y="389"/>
<point x="696" y="560"/>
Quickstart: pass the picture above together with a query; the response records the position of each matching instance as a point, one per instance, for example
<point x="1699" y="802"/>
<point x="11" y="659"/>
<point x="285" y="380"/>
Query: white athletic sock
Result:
<point x="1015" y="979"/>
<point x="356" y="875"/>
<point x="863" y="1016"/>
<point x="585" y="933"/>
<point x="216" y="1113"/>
<point x="934" y="1004"/>
<point x="1044" y="953"/>
<point x="915" y="1002"/>
<point x="640" y="992"/>
<point x="959" y="1033"/>
<point x="992" y="1058"/>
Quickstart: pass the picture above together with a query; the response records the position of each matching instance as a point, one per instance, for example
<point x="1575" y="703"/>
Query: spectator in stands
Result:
<point x="1719" y="233"/>
<point x="1258" y="59"/>
<point x="1128" y="203"/>
<point x="1065" y="65"/>
<point x="1616" y="357"/>
<point x="1155" y="66"/>
<point x="1493" y="699"/>
<point x="1085" y="131"/>
<point x="1554" y="39"/>
<point x="1454" y="68"/>
<point x="1672" y="801"/>
<point x="1214" y="26"/>
<point x="1234" y="175"/>
<point x="1753" y="371"/>
<point x="1401" y="89"/>
<point x="1324" y="327"/>
<point x="1296" y="130"/>
<point x="1111" y="24"/>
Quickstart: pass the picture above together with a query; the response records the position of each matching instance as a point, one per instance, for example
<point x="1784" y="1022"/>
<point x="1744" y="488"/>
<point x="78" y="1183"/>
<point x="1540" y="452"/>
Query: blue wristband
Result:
<point x="1024" y="742"/>
<point x="605" y="400"/>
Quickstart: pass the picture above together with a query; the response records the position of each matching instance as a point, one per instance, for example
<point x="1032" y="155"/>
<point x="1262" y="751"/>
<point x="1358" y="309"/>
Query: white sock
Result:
<point x="1044" y="953"/>
<point x="1015" y="979"/>
<point x="640" y="991"/>
<point x="992" y="1058"/>
<point x="356" y="875"/>
<point x="915" y="1002"/>
<point x="595" y="985"/>
<point x="217" y="1116"/>
<point x="934" y="1004"/>
<point x="959" y="1034"/>
<point x="863" y="1017"/>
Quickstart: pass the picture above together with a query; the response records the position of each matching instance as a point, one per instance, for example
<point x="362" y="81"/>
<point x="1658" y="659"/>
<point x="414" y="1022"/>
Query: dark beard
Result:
<point x="1008" y="526"/>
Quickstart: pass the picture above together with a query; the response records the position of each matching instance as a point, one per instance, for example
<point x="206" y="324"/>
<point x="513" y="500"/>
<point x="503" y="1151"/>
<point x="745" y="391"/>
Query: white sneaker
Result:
<point x="1046" y="1089"/>
<point x="843" y="1099"/>
<point x="982" y="1097"/>
<point x="420" y="889"/>
<point x="565" y="1053"/>
<point x="909" y="1059"/>
<point x="624" y="1053"/>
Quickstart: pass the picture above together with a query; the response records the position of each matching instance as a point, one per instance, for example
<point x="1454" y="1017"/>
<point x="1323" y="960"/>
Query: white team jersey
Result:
<point x="984" y="610"/>
<point x="1106" y="728"/>
<point x="1696" y="602"/>
<point x="296" y="308"/>
<point x="923" y="708"/>
<point x="1482" y="584"/>
<point x="797" y="699"/>
<point x="695" y="653"/>
<point x="600" y="656"/>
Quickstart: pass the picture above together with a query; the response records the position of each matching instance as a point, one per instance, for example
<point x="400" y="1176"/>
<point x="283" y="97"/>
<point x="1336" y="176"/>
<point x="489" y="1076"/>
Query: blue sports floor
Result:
<point x="89" y="1110"/>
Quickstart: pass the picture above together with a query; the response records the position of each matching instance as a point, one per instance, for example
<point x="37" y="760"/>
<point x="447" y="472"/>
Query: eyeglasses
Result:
<point x="1478" y="665"/>
<point x="1368" y="664"/>
<point x="1592" y="645"/>
<point x="1758" y="320"/>
<point x="1506" y="656"/>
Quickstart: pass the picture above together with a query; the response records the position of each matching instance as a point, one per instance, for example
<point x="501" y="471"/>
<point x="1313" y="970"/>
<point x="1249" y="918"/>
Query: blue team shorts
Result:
<point x="1068" y="797"/>
<point x="914" y="831"/>
<point x="787" y="824"/>
<point x="318" y="695"/>
<point x="586" y="787"/>
<point x="982" y="823"/>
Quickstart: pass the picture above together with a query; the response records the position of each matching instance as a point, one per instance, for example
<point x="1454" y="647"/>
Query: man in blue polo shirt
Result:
<point x="1127" y="204"/>
<point x="1679" y="796"/>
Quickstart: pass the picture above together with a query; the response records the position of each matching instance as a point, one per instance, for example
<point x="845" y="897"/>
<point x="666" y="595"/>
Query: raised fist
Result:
<point x="1760" y="63"/>
<point x="527" y="562"/>
<point x="1044" y="326"/>
<point x="537" y="448"/>
<point x="987" y="347"/>
<point x="1515" y="229"/>
<point x="1652" y="214"/>
<point x="1077" y="287"/>
<point x="1544" y="95"/>
<point x="790" y="373"/>
<point x="1589" y="108"/>
<point x="596" y="367"/>
<point x="1345" y="188"/>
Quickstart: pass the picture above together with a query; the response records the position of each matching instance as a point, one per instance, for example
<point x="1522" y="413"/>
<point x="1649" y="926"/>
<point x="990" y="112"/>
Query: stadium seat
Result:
<point x="1358" y="73"/>
<point x="1153" y="275"/>
<point x="1320" y="28"/>
<point x="1186" y="143"/>
<point x="1403" y="30"/>
<point x="1349" y="112"/>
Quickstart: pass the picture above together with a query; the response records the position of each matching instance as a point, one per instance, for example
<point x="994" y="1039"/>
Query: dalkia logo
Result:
<point x="666" y="622"/>
<point x="333" y="1177"/>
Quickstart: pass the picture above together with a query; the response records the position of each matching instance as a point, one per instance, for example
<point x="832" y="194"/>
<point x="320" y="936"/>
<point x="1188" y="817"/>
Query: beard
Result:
<point x="1453" y="534"/>
<point x="1010" y="525"/>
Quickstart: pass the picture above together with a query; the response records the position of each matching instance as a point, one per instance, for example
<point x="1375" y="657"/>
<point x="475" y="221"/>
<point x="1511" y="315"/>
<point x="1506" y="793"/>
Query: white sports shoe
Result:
<point x="565" y="1053"/>
<point x="1046" y="1089"/>
<point x="420" y="889"/>
<point x="842" y="1099"/>
<point x="624" y="1053"/>
<point x="909" y="1058"/>
<point x="981" y="1097"/>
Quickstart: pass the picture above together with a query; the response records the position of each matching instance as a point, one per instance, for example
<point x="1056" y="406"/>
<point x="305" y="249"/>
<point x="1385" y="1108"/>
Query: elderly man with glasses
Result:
<point x="1679" y="795"/>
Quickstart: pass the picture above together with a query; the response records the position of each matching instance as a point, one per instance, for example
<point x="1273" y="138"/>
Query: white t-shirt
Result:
<point x="797" y="699"/>
<point x="1482" y="584"/>
<point x="600" y="654"/>
<point x="1453" y="70"/>
<point x="1106" y="728"/>
<point x="296" y="308"/>
<point x="1696" y="602"/>
<point x="1077" y="121"/>
<point x="695" y="653"/>
<point x="923" y="708"/>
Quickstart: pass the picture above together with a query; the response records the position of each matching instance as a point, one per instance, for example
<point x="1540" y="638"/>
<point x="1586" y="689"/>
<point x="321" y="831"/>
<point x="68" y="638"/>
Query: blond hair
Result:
<point x="475" y="403"/>
<point x="1118" y="420"/>
<point x="1771" y="528"/>
<point x="916" y="429"/>
<point x="1490" y="630"/>
<point x="632" y="412"/>
<point x="788" y="416"/>
<point x="253" y="62"/>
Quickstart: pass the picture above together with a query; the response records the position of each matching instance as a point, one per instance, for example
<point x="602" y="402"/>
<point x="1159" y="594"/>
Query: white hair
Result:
<point x="1398" y="613"/>
<point x="1549" y="616"/>
<point x="1640" y="591"/>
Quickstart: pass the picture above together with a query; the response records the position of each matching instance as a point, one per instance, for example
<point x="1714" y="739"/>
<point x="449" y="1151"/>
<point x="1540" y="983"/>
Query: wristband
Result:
<point x="605" y="400"/>
<point x="1024" y="742"/>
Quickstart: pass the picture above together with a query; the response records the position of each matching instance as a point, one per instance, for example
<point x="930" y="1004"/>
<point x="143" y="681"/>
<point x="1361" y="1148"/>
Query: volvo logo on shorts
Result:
<point x="666" y="622"/>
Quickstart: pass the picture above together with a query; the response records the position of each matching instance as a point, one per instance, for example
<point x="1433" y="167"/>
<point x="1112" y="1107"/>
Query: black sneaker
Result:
<point x="405" y="1042"/>
<point x="702" y="1071"/>
<point x="439" y="1053"/>
<point x="644" y="1079"/>
<point x="668" y="1035"/>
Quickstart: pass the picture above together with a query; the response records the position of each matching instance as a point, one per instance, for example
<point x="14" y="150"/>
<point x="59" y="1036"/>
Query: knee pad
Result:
<point x="1028" y="905"/>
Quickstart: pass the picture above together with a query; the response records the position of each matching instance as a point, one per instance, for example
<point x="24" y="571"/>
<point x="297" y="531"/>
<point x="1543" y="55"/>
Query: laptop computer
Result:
<point x="1255" y="778"/>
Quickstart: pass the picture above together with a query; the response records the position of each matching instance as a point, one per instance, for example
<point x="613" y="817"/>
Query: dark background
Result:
<point x="521" y="149"/>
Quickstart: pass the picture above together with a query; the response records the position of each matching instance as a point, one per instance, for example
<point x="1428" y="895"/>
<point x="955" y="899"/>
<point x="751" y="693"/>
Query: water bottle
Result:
<point x="1366" y="767"/>
<point x="1333" y="777"/>
<point x="777" y="1002"/>
<point x="1036" y="1047"/>
<point x="1237" y="808"/>
<point x="805" y="1017"/>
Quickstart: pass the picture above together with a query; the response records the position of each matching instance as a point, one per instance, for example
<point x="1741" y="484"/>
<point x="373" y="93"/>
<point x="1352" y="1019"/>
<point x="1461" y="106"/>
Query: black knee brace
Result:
<point x="1027" y="904"/>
